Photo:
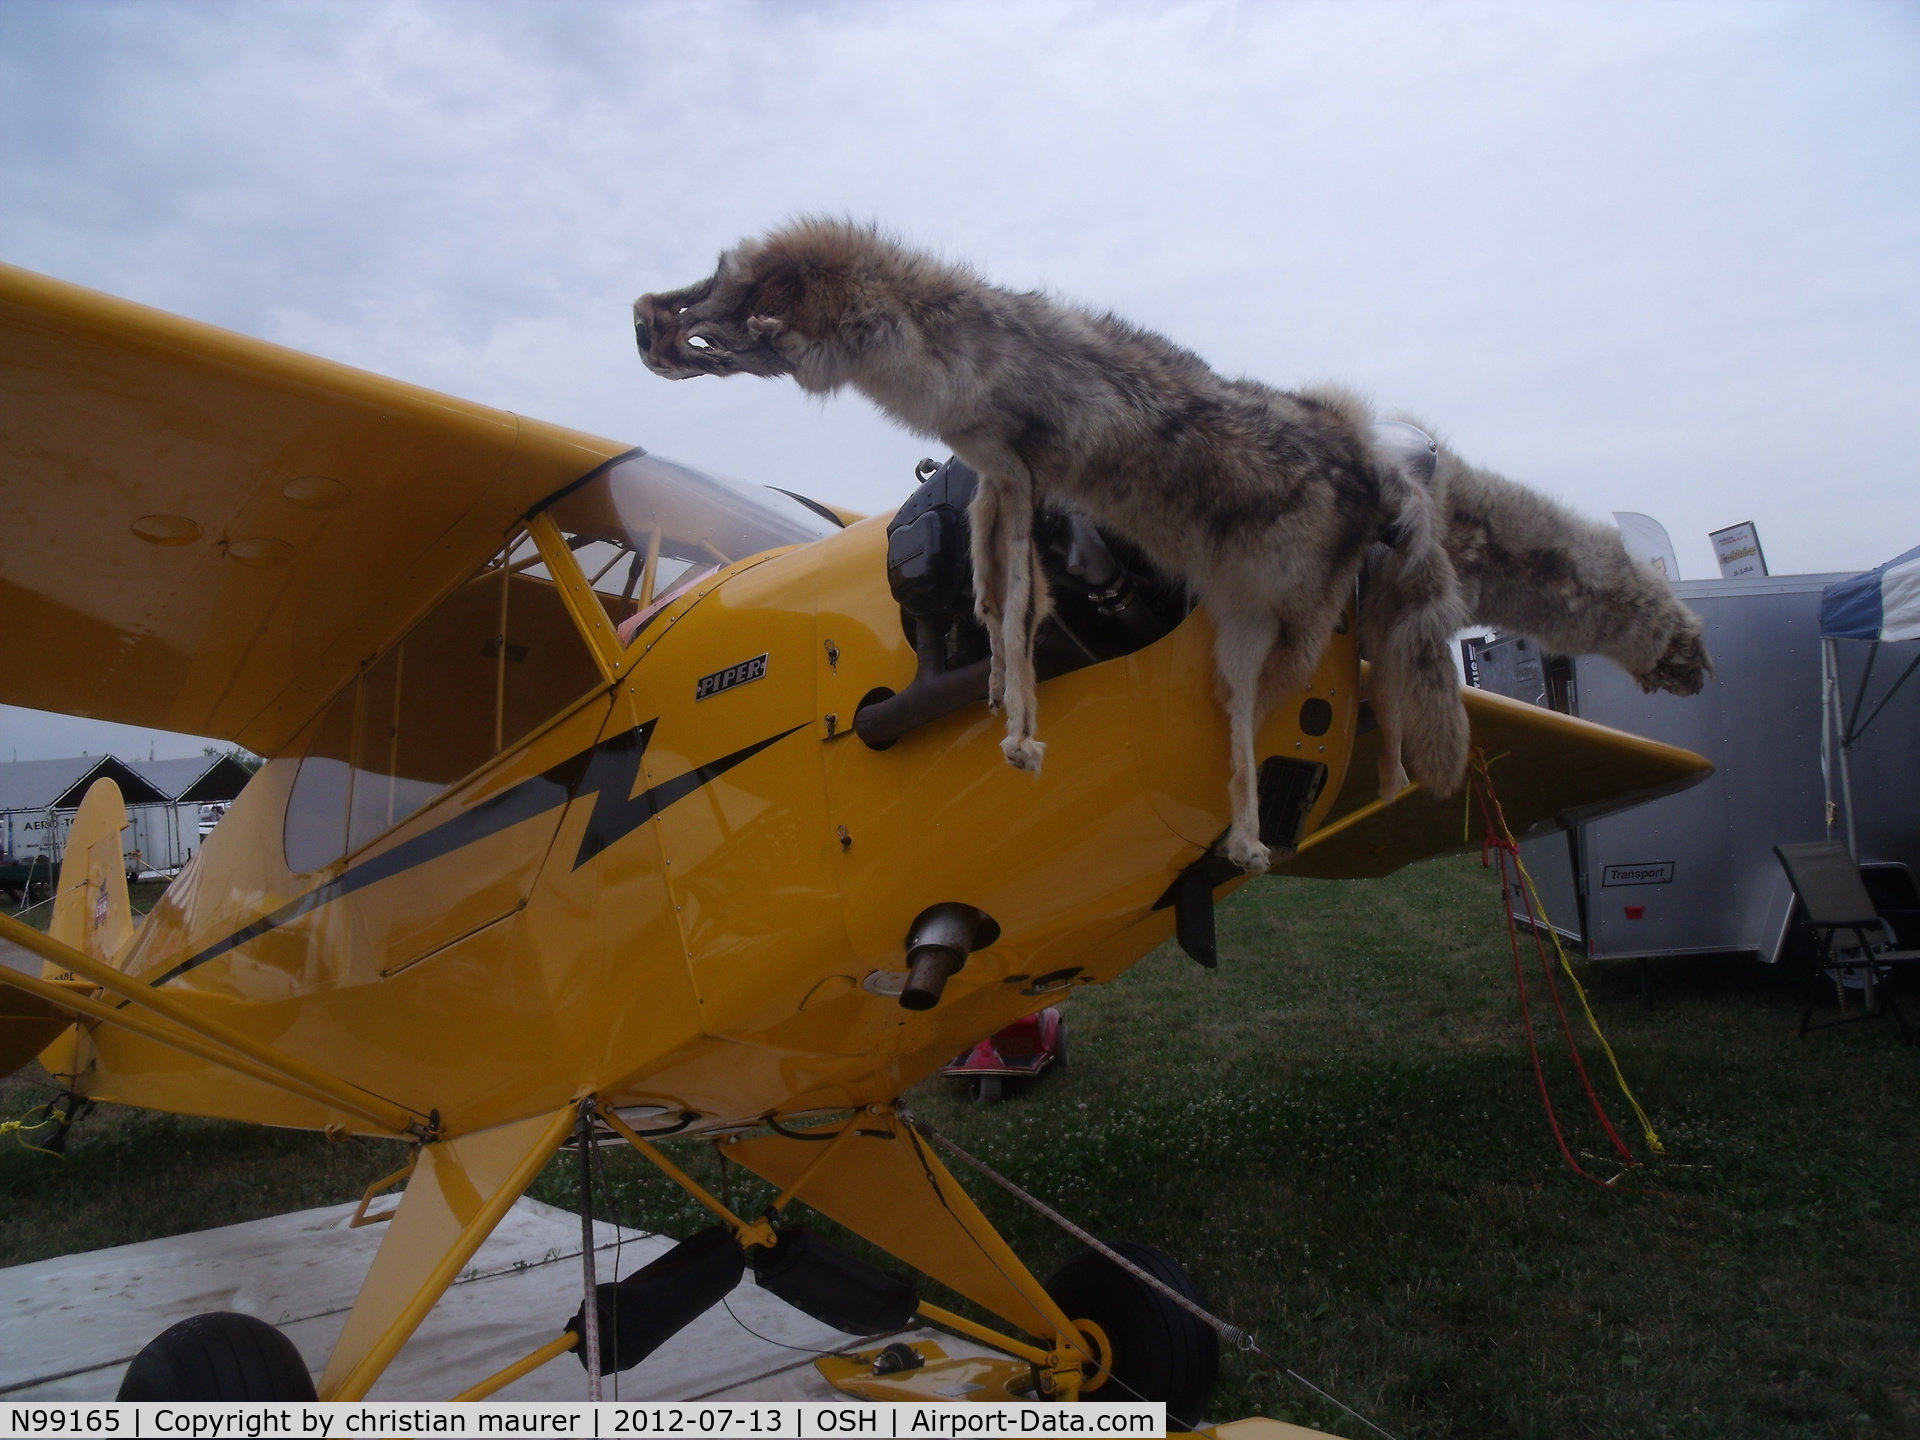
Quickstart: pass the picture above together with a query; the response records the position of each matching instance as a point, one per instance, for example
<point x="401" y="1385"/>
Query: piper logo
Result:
<point x="1652" y="872"/>
<point x="727" y="679"/>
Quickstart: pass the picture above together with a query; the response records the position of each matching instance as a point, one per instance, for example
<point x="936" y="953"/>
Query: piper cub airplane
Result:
<point x="609" y="799"/>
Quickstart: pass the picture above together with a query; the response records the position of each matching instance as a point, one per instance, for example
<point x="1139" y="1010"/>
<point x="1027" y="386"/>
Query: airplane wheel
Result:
<point x="988" y="1090"/>
<point x="218" y="1356"/>
<point x="1157" y="1350"/>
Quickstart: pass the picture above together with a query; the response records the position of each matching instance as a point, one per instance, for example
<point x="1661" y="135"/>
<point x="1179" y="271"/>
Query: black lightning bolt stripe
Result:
<point x="606" y="770"/>
<point x="615" y="816"/>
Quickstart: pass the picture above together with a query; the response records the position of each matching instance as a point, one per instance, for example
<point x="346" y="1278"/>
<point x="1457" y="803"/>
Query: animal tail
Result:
<point x="1416" y="687"/>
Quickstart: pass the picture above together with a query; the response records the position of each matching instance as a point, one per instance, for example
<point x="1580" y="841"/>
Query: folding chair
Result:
<point x="1834" y="898"/>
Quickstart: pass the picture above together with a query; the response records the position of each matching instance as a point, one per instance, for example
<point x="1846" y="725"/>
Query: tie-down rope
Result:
<point x="1499" y="840"/>
<point x="1232" y="1334"/>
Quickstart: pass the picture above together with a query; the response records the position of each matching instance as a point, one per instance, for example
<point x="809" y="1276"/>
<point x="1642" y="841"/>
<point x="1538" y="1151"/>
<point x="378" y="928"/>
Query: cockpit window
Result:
<point x="490" y="664"/>
<point x="646" y="528"/>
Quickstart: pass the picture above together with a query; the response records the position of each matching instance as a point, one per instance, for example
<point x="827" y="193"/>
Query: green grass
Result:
<point x="141" y="897"/>
<point x="1338" y="1133"/>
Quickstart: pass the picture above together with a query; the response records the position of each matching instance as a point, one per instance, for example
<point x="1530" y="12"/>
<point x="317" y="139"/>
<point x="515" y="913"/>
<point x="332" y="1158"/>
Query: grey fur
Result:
<point x="1265" y="501"/>
<point x="1529" y="566"/>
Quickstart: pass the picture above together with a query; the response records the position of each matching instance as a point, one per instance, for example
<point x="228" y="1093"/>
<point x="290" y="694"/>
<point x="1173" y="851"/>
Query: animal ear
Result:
<point x="762" y="327"/>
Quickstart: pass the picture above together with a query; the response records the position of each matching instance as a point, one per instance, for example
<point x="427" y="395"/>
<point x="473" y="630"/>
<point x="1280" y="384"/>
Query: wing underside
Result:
<point x="208" y="533"/>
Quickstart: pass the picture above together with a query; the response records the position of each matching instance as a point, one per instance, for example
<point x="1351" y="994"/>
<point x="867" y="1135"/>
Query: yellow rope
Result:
<point x="20" y="1128"/>
<point x="1540" y="909"/>
<point x="1466" y="800"/>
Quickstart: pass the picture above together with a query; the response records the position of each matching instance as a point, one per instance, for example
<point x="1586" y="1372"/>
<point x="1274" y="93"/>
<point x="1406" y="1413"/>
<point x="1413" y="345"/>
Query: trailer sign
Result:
<point x="1652" y="872"/>
<point x="1738" y="550"/>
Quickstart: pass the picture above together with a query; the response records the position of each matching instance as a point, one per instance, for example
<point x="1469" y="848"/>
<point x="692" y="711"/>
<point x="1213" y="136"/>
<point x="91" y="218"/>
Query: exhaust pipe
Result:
<point x="938" y="943"/>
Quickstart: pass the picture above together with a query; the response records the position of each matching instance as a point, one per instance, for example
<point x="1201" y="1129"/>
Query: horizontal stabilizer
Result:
<point x="99" y="994"/>
<point x="28" y="1024"/>
<point x="1548" y="770"/>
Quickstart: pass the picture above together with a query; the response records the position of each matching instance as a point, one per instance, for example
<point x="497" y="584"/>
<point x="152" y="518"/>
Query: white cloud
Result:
<point x="1651" y="258"/>
<point x="38" y="735"/>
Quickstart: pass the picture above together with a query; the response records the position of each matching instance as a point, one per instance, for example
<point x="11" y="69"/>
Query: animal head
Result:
<point x="709" y="328"/>
<point x="816" y="299"/>
<point x="1683" y="667"/>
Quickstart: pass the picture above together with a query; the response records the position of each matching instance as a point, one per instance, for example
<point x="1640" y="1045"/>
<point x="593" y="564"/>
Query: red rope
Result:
<point x="1498" y="840"/>
<point x="1566" y="1026"/>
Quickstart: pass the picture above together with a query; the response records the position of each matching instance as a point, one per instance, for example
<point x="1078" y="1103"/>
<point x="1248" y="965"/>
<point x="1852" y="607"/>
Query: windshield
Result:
<point x="645" y="528"/>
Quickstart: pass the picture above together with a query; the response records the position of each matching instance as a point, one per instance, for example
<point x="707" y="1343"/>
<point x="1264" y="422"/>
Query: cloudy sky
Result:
<point x="1650" y="257"/>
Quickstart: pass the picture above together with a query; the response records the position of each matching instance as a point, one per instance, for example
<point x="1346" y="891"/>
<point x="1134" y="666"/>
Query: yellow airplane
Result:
<point x="606" y="797"/>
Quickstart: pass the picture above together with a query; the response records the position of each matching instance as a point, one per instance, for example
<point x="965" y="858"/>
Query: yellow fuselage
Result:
<point x="709" y="951"/>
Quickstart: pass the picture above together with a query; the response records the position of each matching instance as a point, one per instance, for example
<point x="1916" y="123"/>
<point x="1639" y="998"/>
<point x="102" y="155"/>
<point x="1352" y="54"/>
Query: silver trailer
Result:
<point x="1695" y="873"/>
<point x="165" y="800"/>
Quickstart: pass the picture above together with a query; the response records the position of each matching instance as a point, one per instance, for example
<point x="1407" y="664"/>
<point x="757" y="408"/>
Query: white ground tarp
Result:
<point x="68" y="1326"/>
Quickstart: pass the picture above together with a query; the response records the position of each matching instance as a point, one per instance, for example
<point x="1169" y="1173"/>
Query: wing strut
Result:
<point x="459" y="1193"/>
<point x="183" y="1028"/>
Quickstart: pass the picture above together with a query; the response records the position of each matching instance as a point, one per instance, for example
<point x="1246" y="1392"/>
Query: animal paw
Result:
<point x="1392" y="781"/>
<point x="1023" y="754"/>
<point x="1250" y="855"/>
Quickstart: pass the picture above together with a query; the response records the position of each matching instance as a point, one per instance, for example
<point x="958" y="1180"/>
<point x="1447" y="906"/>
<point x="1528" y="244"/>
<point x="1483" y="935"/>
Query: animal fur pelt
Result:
<point x="1526" y="565"/>
<point x="1265" y="501"/>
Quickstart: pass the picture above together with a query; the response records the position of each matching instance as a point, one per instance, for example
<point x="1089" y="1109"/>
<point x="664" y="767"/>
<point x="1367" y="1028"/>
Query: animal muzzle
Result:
<point x="655" y="333"/>
<point x="664" y="358"/>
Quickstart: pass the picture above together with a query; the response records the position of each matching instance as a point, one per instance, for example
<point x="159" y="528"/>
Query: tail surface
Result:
<point x="91" y="911"/>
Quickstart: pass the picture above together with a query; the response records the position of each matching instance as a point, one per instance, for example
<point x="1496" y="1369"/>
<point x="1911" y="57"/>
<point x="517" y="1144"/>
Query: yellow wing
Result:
<point x="207" y="533"/>
<point x="1547" y="769"/>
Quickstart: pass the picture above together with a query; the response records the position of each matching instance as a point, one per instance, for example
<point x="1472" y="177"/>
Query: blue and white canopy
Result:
<point x="1883" y="604"/>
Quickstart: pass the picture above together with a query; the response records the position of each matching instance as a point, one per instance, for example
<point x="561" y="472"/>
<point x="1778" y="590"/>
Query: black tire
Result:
<point x="218" y="1356"/>
<point x="1158" y="1350"/>
<point x="1060" y="1048"/>
<point x="988" y="1089"/>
